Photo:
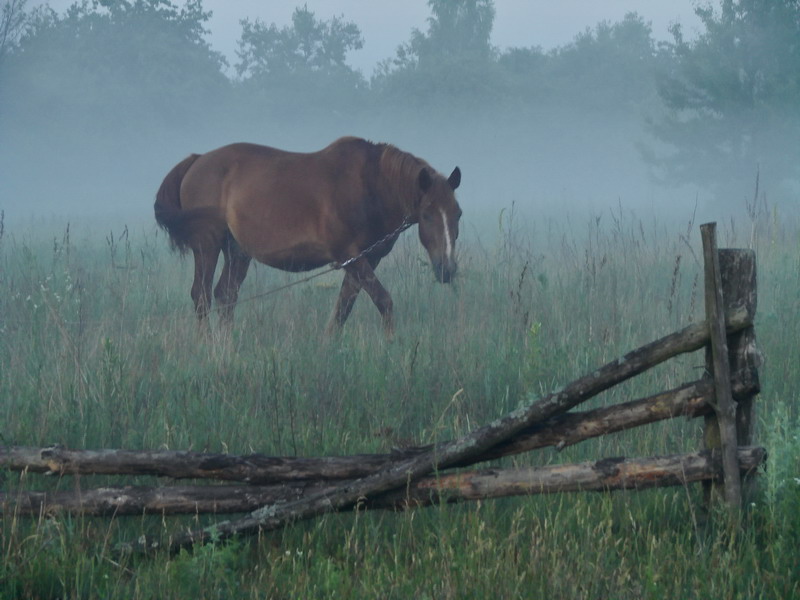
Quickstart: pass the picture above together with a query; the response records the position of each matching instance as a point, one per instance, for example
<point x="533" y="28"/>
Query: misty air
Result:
<point x="347" y="299"/>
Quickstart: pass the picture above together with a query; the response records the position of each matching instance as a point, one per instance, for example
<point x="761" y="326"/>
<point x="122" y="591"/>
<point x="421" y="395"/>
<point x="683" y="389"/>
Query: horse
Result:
<point x="343" y="205"/>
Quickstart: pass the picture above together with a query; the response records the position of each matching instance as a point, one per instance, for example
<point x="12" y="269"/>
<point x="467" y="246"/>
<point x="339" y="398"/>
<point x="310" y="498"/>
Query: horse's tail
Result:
<point x="167" y="207"/>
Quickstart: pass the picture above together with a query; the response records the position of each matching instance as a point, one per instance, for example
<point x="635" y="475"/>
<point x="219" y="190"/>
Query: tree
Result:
<point x="609" y="68"/>
<point x="732" y="98"/>
<point x="100" y="97"/>
<point x="453" y="60"/>
<point x="109" y="62"/>
<point x="12" y="24"/>
<point x="455" y="29"/>
<point x="303" y="64"/>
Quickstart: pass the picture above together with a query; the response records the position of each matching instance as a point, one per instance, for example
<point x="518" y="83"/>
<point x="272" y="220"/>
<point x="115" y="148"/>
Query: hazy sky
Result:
<point x="385" y="24"/>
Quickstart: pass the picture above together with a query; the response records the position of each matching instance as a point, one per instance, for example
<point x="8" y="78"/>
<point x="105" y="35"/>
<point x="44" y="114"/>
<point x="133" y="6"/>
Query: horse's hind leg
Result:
<point x="233" y="274"/>
<point x="205" y="263"/>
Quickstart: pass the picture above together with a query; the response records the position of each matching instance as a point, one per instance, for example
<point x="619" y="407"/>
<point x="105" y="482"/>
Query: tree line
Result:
<point x="726" y="100"/>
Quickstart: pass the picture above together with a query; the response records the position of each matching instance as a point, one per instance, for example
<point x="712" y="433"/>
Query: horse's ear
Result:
<point x="455" y="179"/>
<point x="425" y="180"/>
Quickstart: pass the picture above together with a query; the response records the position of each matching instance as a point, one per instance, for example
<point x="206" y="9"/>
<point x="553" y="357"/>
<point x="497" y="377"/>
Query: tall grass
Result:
<point x="100" y="349"/>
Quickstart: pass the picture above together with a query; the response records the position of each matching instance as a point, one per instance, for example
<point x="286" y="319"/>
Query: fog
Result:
<point x="96" y="106"/>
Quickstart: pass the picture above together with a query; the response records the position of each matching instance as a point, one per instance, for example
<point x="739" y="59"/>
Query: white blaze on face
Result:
<point x="447" y="242"/>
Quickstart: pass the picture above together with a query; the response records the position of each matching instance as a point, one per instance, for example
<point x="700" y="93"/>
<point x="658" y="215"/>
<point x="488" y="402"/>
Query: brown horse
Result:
<point x="297" y="212"/>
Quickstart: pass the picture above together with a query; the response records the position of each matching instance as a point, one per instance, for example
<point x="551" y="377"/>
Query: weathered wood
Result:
<point x="724" y="405"/>
<point x="130" y="500"/>
<point x="602" y="475"/>
<point x="474" y="444"/>
<point x="689" y="400"/>
<point x="253" y="468"/>
<point x="739" y="288"/>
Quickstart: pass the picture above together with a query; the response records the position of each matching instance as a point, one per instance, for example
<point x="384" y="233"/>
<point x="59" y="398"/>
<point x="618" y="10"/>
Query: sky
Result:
<point x="385" y="24"/>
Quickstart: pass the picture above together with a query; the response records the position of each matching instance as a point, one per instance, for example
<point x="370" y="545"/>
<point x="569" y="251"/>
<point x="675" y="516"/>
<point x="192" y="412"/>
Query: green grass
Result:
<point x="100" y="349"/>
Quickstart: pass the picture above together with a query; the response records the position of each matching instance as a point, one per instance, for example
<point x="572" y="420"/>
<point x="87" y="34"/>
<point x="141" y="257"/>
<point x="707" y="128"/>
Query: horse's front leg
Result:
<point x="364" y="274"/>
<point x="344" y="304"/>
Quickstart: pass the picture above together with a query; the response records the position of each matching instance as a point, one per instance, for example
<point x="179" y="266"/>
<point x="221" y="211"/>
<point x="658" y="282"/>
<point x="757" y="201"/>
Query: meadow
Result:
<point x="100" y="349"/>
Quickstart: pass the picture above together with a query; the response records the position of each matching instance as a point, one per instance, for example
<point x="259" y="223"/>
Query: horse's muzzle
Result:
<point x="445" y="270"/>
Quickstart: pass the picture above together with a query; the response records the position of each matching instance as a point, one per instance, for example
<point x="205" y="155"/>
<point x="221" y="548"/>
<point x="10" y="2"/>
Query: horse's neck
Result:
<point x="403" y="204"/>
<point x="399" y="177"/>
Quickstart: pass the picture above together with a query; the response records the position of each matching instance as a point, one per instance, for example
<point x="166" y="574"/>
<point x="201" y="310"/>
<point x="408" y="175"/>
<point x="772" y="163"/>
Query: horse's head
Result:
<point x="438" y="216"/>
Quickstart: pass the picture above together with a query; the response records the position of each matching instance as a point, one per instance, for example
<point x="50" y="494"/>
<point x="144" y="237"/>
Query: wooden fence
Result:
<point x="275" y="491"/>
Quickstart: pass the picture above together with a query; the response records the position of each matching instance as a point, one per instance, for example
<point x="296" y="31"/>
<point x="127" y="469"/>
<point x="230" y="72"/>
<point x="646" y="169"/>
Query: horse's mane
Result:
<point x="400" y="171"/>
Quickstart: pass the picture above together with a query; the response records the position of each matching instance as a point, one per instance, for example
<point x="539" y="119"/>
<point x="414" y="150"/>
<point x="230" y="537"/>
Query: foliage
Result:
<point x="731" y="96"/>
<point x="12" y="23"/>
<point x="308" y="45"/>
<point x="609" y="68"/>
<point x="453" y="61"/>
<point x="302" y="62"/>
<point x="116" y="49"/>
<point x="461" y="29"/>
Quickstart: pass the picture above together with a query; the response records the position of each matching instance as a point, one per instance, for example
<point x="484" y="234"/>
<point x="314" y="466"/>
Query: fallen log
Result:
<point x="399" y="474"/>
<point x="253" y="468"/>
<point x="595" y="476"/>
<point x="689" y="400"/>
<point x="602" y="475"/>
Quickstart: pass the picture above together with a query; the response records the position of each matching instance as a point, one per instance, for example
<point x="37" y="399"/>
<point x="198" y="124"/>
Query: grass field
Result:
<point x="100" y="350"/>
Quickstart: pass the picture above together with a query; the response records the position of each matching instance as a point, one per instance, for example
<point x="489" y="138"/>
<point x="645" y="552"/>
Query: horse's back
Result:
<point x="206" y="180"/>
<point x="278" y="203"/>
<point x="251" y="169"/>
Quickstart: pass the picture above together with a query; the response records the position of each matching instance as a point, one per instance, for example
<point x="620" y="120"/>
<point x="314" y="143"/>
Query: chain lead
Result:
<point x="334" y="266"/>
<point x="403" y="226"/>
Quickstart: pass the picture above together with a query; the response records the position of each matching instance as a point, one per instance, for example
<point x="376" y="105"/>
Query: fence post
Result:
<point x="738" y="269"/>
<point x="730" y="283"/>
